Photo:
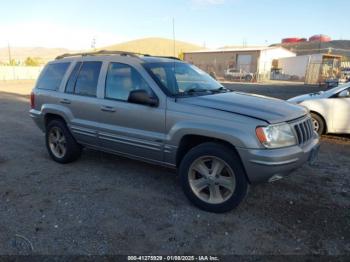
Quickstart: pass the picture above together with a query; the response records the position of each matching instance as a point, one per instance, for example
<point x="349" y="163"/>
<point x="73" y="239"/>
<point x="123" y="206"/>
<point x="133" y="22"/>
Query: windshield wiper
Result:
<point x="196" y="90"/>
<point x="220" y="89"/>
<point x="192" y="91"/>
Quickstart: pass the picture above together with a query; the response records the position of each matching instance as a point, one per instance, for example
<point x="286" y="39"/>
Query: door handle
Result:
<point x="65" y="101"/>
<point x="107" y="109"/>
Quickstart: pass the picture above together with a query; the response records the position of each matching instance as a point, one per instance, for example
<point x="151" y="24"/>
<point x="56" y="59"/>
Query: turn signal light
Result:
<point x="261" y="135"/>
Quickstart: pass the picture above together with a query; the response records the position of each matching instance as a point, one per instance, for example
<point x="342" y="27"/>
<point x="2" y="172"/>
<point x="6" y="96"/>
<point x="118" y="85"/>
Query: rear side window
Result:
<point x="52" y="76"/>
<point x="84" y="78"/>
<point x="73" y="78"/>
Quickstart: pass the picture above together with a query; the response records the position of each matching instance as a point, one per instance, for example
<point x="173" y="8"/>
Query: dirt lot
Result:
<point x="104" y="204"/>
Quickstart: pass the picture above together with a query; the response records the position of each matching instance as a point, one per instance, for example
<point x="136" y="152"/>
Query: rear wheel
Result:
<point x="213" y="177"/>
<point x="318" y="123"/>
<point x="60" y="143"/>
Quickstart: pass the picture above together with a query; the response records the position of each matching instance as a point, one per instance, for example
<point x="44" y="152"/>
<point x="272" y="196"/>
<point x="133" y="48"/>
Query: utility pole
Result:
<point x="9" y="51"/>
<point x="174" y="36"/>
<point x="93" y="43"/>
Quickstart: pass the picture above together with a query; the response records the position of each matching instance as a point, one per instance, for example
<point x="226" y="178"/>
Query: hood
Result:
<point x="311" y="96"/>
<point x="264" y="108"/>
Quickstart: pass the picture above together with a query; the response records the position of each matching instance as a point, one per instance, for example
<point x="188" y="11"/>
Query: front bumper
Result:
<point x="262" y="165"/>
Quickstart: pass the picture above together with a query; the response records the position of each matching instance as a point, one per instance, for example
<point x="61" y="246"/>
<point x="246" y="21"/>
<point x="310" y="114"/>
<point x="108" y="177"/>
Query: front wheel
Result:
<point x="318" y="123"/>
<point x="213" y="178"/>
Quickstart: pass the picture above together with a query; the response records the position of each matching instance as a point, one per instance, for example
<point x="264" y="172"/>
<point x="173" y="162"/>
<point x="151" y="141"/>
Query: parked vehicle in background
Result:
<point x="234" y="74"/>
<point x="332" y="82"/>
<point x="330" y="110"/>
<point x="170" y="113"/>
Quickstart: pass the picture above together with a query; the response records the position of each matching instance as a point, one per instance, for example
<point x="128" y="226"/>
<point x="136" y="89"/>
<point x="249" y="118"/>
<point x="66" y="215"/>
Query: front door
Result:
<point x="127" y="128"/>
<point x="341" y="114"/>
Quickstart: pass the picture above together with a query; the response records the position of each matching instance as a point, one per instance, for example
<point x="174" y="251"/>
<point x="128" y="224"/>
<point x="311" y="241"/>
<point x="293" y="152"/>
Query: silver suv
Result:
<point x="170" y="113"/>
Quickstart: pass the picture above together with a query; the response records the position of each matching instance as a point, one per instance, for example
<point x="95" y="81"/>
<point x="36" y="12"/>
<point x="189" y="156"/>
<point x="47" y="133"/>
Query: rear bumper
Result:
<point x="262" y="165"/>
<point x="37" y="118"/>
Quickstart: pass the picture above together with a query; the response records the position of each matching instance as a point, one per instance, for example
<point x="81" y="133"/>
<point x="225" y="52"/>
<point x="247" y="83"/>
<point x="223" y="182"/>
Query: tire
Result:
<point x="318" y="124"/>
<point x="248" y="78"/>
<point x="55" y="143"/>
<point x="206" y="198"/>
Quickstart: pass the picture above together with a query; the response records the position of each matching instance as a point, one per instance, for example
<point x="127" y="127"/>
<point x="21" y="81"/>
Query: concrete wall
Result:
<point x="19" y="72"/>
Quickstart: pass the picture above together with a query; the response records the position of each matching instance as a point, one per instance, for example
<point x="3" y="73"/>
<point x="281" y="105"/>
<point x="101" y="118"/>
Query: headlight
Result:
<point x="275" y="136"/>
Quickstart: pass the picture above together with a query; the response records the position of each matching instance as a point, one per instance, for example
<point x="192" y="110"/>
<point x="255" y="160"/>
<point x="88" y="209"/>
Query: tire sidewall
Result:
<point x="232" y="159"/>
<point x="72" y="148"/>
<point x="248" y="78"/>
<point x="321" y="123"/>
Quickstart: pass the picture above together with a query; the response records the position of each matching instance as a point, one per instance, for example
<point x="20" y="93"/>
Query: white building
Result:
<point x="312" y="69"/>
<point x="257" y="60"/>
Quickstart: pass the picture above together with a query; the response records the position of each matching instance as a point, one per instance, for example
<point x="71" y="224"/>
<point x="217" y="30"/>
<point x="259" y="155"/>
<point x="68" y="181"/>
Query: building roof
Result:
<point x="238" y="49"/>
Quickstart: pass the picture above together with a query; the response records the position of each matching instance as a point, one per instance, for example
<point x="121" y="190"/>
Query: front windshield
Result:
<point x="182" y="79"/>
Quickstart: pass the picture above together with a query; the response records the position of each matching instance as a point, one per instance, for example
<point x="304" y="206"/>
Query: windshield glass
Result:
<point x="182" y="79"/>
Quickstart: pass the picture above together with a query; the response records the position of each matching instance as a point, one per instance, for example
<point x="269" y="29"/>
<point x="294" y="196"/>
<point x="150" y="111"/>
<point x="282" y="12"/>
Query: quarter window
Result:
<point x="121" y="79"/>
<point x="52" y="76"/>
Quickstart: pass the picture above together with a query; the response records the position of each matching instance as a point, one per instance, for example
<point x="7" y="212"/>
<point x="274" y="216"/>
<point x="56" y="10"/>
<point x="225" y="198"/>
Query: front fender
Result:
<point x="238" y="137"/>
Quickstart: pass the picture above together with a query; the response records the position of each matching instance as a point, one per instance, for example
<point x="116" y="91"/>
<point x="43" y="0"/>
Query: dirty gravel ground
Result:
<point x="105" y="204"/>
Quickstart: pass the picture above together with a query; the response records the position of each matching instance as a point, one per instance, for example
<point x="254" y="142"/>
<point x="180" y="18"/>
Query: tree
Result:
<point x="31" y="61"/>
<point x="181" y="56"/>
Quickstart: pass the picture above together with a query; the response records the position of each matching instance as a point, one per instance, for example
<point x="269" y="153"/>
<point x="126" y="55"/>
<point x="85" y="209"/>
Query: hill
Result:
<point x="154" y="46"/>
<point x="336" y="47"/>
<point x="21" y="53"/>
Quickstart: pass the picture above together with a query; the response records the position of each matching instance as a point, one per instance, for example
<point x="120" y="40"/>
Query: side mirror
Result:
<point x="344" y="93"/>
<point x="141" y="97"/>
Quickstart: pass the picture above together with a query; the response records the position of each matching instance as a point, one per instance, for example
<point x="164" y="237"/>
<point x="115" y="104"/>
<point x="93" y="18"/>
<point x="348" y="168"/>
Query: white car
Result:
<point x="231" y="74"/>
<point x="330" y="110"/>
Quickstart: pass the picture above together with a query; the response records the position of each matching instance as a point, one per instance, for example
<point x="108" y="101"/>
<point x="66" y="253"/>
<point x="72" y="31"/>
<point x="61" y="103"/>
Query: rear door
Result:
<point x="128" y="128"/>
<point x="80" y="97"/>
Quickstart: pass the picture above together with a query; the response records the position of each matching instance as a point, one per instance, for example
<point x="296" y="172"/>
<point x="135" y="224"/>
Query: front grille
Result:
<point x="304" y="130"/>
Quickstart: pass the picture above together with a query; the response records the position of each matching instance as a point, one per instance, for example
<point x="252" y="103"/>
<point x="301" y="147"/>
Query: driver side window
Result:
<point x="344" y="94"/>
<point x="121" y="80"/>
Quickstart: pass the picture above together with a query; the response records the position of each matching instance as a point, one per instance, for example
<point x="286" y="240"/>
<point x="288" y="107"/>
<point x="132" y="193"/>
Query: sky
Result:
<point x="73" y="24"/>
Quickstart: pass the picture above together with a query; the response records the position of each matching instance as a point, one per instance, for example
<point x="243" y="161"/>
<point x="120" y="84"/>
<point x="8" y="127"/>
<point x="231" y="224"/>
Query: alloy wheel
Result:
<point x="57" y="142"/>
<point x="211" y="179"/>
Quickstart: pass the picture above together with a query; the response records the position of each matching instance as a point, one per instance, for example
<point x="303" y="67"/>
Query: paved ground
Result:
<point x="104" y="204"/>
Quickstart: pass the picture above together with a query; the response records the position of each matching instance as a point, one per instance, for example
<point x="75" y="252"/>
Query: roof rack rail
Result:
<point x="169" y="57"/>
<point x="101" y="52"/>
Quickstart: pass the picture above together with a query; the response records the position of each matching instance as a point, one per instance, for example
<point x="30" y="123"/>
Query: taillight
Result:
<point x="32" y="100"/>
